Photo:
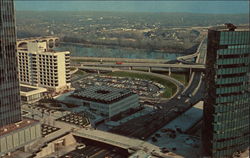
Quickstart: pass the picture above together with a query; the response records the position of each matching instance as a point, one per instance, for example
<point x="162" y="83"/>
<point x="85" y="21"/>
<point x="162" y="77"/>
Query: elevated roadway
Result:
<point x="170" y="109"/>
<point x="123" y="142"/>
<point x="151" y="65"/>
<point x="191" y="56"/>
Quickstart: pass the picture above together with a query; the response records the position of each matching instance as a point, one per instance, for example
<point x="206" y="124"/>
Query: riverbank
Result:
<point x="184" y="52"/>
<point x="106" y="59"/>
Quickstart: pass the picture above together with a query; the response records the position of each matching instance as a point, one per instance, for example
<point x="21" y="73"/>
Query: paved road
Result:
<point x="144" y="126"/>
<point x="151" y="65"/>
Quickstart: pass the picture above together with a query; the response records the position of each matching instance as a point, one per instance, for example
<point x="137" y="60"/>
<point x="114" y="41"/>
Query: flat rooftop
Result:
<point x="27" y="90"/>
<point x="15" y="126"/>
<point x="102" y="94"/>
<point x="224" y="28"/>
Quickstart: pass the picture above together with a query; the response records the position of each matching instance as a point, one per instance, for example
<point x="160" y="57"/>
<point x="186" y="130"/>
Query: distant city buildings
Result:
<point x="107" y="101"/>
<point x="43" y="67"/>
<point x="15" y="132"/>
<point x="227" y="99"/>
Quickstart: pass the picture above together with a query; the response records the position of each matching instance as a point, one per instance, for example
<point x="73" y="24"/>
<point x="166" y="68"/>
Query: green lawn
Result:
<point x="183" y="78"/>
<point x="170" y="88"/>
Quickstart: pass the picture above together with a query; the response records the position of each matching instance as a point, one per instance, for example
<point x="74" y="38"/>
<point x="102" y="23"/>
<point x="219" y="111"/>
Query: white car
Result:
<point x="81" y="146"/>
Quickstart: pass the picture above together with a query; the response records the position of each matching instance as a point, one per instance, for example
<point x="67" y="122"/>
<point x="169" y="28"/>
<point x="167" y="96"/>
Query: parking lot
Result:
<point x="144" y="88"/>
<point x="47" y="129"/>
<point x="75" y="119"/>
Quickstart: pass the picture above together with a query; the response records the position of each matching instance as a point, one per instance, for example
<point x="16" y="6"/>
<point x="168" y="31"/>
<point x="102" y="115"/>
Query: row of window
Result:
<point x="229" y="143"/>
<point x="234" y="89"/>
<point x="230" y="134"/>
<point x="221" y="117"/>
<point x="243" y="49"/>
<point x="227" y="152"/>
<point x="231" y="103"/>
<point x="236" y="70"/>
<point x="239" y="122"/>
<point x="235" y="37"/>
<point x="231" y="80"/>
<point x="233" y="61"/>
<point x="49" y="84"/>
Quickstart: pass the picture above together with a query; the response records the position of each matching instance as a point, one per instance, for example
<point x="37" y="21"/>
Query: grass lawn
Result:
<point x="183" y="78"/>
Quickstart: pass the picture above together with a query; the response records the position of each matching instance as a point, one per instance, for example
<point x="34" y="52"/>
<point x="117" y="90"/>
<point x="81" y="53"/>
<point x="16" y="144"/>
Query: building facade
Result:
<point x="15" y="132"/>
<point x="227" y="99"/>
<point x="10" y="108"/>
<point x="31" y="94"/>
<point x="44" y="68"/>
<point x="106" y="101"/>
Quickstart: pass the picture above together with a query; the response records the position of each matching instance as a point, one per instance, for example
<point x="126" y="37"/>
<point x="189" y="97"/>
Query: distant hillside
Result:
<point x="163" y="19"/>
<point x="170" y="32"/>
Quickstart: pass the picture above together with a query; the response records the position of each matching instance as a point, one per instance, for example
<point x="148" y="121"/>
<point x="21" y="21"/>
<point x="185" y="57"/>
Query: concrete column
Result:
<point x="169" y="71"/>
<point x="130" y="68"/>
<point x="190" y="71"/>
<point x="149" y="69"/>
<point x="98" y="71"/>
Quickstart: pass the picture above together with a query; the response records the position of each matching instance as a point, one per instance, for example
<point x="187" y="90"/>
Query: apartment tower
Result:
<point x="227" y="99"/>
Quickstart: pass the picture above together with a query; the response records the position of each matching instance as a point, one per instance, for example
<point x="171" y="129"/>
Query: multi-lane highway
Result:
<point x="146" y="125"/>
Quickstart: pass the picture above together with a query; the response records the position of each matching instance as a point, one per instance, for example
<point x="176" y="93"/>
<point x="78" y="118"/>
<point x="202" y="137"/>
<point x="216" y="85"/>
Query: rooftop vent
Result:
<point x="230" y="26"/>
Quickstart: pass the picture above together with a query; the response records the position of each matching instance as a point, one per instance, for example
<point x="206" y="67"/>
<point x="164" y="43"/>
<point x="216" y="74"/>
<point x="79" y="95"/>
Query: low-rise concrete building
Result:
<point x="30" y="94"/>
<point x="18" y="135"/>
<point x="107" y="101"/>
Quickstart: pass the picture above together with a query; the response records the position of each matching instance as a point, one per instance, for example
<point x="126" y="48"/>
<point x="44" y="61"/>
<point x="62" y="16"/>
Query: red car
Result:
<point x="119" y="62"/>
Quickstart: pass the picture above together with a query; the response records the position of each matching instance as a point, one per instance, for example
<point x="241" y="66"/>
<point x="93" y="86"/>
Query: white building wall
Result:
<point x="44" y="69"/>
<point x="61" y="69"/>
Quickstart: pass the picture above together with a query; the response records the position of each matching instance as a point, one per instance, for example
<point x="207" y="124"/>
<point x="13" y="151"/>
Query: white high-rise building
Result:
<point x="44" y="68"/>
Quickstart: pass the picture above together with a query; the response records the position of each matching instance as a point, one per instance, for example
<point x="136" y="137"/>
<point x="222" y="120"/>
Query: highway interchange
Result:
<point x="143" y="127"/>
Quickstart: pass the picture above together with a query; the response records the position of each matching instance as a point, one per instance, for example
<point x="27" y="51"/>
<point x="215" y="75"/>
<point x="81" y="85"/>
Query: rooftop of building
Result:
<point x="102" y="94"/>
<point x="27" y="90"/>
<point x="16" y="126"/>
<point x="226" y="28"/>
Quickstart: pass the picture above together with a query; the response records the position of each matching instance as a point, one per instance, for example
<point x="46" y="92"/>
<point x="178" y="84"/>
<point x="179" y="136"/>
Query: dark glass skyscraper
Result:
<point x="227" y="100"/>
<point x="10" y="108"/>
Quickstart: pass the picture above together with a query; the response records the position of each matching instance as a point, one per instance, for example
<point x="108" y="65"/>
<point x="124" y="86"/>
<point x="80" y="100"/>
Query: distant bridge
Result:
<point x="50" y="40"/>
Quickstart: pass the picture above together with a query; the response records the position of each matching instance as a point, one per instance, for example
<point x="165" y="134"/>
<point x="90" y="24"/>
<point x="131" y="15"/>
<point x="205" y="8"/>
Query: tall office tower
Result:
<point x="227" y="99"/>
<point x="15" y="132"/>
<point x="10" y="111"/>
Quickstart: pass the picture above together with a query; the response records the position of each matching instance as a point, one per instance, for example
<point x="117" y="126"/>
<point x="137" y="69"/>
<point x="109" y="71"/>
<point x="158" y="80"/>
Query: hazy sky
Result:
<point x="211" y="6"/>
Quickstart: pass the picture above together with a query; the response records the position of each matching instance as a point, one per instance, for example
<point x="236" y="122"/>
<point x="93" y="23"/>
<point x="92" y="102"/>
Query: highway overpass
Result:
<point x="130" y="144"/>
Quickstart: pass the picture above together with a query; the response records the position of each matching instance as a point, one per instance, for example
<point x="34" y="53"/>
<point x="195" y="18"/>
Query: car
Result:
<point x="187" y="101"/>
<point x="164" y="150"/>
<point x="157" y="135"/>
<point x="81" y="146"/>
<point x="119" y="63"/>
<point x="154" y="139"/>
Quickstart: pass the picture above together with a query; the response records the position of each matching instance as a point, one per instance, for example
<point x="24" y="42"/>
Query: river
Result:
<point x="102" y="51"/>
